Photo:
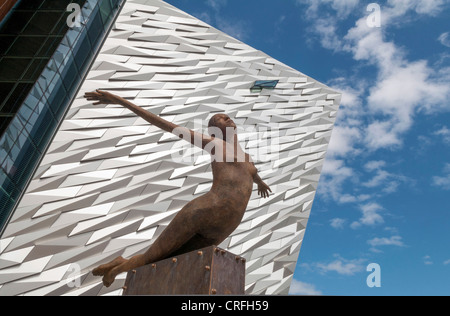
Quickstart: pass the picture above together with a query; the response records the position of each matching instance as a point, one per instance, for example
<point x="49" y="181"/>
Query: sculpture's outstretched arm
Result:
<point x="103" y="97"/>
<point x="263" y="188"/>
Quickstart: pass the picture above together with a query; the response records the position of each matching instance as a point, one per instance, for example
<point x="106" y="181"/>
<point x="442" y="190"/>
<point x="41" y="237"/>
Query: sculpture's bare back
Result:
<point x="209" y="219"/>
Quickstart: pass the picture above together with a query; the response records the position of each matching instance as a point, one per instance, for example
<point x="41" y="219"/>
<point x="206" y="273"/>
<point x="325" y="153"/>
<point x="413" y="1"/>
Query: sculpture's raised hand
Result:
<point x="263" y="190"/>
<point x="102" y="97"/>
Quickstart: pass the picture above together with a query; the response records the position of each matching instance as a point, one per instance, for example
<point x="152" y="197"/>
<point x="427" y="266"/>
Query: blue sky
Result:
<point x="384" y="195"/>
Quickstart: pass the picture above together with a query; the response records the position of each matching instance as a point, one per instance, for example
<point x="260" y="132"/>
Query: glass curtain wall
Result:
<point x="29" y="130"/>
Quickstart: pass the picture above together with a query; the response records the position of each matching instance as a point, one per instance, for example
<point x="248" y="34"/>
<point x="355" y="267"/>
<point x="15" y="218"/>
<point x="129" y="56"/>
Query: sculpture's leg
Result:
<point x="181" y="234"/>
<point x="103" y="269"/>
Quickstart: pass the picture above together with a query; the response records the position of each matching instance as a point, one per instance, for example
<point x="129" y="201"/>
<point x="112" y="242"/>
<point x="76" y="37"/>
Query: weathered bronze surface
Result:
<point x="209" y="219"/>
<point x="193" y="273"/>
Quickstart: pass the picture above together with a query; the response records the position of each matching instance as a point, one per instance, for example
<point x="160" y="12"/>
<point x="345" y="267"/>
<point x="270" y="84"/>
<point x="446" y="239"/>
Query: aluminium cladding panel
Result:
<point x="110" y="182"/>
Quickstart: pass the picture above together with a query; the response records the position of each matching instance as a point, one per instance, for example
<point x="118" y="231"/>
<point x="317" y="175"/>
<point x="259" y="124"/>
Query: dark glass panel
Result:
<point x="5" y="89"/>
<point x="80" y="2"/>
<point x="60" y="5"/>
<point x="35" y="69"/>
<point x="16" y="98"/>
<point x="27" y="168"/>
<point x="82" y="51"/>
<point x="61" y="26"/>
<point x="58" y="99"/>
<point x="41" y="126"/>
<point x="29" y="4"/>
<point x="49" y="47"/>
<point x="69" y="75"/>
<point x="12" y="69"/>
<point x="5" y="43"/>
<point x="4" y="122"/>
<point x="26" y="46"/>
<point x="106" y="11"/>
<point x="16" y="22"/>
<point x="5" y="205"/>
<point x="95" y="27"/>
<point x="6" y="184"/>
<point x="42" y="23"/>
<point x="22" y="159"/>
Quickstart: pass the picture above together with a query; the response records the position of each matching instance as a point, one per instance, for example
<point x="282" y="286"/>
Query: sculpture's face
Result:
<point x="222" y="122"/>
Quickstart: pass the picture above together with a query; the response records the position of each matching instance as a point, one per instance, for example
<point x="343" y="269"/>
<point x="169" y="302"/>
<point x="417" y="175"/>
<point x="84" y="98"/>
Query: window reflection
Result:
<point x="48" y="72"/>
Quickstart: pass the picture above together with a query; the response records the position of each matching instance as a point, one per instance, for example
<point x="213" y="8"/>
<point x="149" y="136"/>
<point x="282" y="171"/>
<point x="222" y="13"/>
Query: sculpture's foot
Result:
<point x="110" y="277"/>
<point x="106" y="268"/>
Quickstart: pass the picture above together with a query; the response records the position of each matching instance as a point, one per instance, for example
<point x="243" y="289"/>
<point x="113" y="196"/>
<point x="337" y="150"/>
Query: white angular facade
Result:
<point x="110" y="182"/>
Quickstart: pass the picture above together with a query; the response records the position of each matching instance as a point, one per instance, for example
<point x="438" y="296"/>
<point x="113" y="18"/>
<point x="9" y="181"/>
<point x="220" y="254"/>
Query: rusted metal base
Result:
<point x="208" y="271"/>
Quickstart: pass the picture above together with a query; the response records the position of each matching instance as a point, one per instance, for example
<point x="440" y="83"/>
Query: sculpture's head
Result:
<point x="219" y="124"/>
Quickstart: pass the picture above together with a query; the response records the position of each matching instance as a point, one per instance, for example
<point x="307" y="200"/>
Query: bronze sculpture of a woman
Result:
<point x="209" y="219"/>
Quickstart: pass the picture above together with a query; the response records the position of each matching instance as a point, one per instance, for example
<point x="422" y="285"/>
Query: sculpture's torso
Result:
<point x="230" y="193"/>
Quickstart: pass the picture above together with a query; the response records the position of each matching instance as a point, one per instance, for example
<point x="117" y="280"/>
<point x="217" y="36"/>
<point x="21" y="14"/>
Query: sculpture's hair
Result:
<point x="212" y="127"/>
<point x="212" y="121"/>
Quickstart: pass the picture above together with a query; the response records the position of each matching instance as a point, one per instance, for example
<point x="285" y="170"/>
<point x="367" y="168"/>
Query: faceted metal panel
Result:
<point x="110" y="182"/>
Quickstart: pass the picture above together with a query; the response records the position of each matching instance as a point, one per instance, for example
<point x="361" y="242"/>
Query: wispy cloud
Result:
<point x="370" y="215"/>
<point x="231" y="26"/>
<point x="443" y="181"/>
<point x="387" y="181"/>
<point x="216" y="4"/>
<point x="375" y="243"/>
<point x="444" y="132"/>
<point x="427" y="260"/>
<point x="341" y="266"/>
<point x="444" y="38"/>
<point x="403" y="87"/>
<point x="337" y="223"/>
<point x="334" y="175"/>
<point x="375" y="165"/>
<point x="302" y="288"/>
<point x="235" y="28"/>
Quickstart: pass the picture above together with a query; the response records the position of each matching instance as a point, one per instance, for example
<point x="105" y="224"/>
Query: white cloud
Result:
<point x="374" y="165"/>
<point x="444" y="38"/>
<point x="349" y="198"/>
<point x="328" y="34"/>
<point x="337" y="223"/>
<point x="399" y="9"/>
<point x="334" y="175"/>
<point x="302" y="288"/>
<point x="343" y="141"/>
<point x="444" y="133"/>
<point x="370" y="215"/>
<point x="393" y="241"/>
<point x="381" y="177"/>
<point x="443" y="181"/>
<point x="388" y="182"/>
<point x="427" y="260"/>
<point x="447" y="262"/>
<point x="341" y="266"/>
<point x="401" y="92"/>
<point x="403" y="87"/>
<point x="216" y="4"/>
<point x="234" y="28"/>
<point x="343" y="8"/>
<point x="382" y="135"/>
<point x="429" y="7"/>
